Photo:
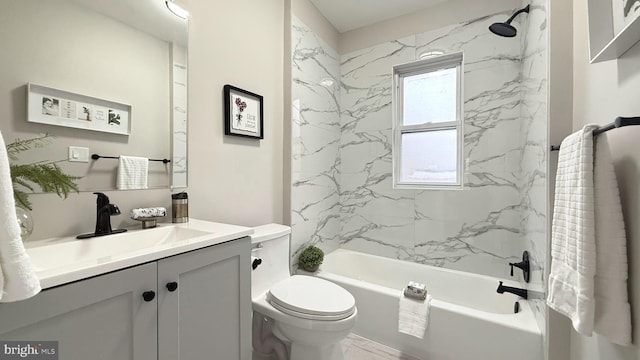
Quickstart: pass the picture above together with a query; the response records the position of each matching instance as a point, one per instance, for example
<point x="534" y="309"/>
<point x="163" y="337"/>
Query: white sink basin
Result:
<point x="61" y="260"/>
<point x="70" y="250"/>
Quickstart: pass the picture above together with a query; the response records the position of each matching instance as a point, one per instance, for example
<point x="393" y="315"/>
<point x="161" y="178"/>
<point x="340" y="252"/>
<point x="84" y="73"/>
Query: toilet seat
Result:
<point x="312" y="298"/>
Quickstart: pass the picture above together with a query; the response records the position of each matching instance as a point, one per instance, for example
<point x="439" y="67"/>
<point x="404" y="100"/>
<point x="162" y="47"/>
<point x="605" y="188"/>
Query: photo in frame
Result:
<point x="624" y="13"/>
<point x="51" y="106"/>
<point x="243" y="113"/>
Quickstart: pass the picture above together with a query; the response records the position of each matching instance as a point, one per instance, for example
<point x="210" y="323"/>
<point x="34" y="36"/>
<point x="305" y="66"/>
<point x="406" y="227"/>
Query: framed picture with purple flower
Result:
<point x="243" y="113"/>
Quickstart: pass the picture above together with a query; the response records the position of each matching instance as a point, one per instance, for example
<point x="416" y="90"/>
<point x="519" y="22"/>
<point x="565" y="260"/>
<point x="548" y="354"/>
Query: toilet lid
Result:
<point x="310" y="297"/>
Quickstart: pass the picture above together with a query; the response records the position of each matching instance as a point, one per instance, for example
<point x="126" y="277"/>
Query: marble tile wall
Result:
<point x="476" y="229"/>
<point x="342" y="191"/>
<point x="315" y="142"/>
<point x="374" y="217"/>
<point x="533" y="159"/>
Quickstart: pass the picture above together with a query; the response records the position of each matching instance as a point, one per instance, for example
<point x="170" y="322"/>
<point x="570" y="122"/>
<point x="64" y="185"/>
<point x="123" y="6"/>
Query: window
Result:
<point x="427" y="128"/>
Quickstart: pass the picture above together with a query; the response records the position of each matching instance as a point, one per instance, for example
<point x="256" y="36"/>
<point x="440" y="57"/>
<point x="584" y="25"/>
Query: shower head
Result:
<point x="503" y="29"/>
<point x="506" y="29"/>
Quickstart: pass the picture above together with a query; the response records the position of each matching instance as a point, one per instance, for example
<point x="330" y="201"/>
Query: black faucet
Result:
<point x="104" y="211"/>
<point x="523" y="265"/>
<point x="516" y="291"/>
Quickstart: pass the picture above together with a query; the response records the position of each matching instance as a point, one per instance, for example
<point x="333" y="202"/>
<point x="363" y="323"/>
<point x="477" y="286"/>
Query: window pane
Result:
<point x="429" y="157"/>
<point x="430" y="97"/>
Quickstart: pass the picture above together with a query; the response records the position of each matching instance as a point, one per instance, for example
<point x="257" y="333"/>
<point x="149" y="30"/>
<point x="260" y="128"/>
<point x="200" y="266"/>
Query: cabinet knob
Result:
<point x="172" y="286"/>
<point x="148" y="295"/>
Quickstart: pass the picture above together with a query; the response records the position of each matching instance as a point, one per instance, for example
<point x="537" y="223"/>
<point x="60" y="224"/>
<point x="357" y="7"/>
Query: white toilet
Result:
<point x="309" y="315"/>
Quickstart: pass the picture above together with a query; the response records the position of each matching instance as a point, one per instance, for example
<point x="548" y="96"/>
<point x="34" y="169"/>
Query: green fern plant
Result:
<point x="45" y="174"/>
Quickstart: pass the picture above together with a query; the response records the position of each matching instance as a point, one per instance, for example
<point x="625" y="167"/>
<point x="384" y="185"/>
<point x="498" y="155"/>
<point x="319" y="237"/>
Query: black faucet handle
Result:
<point x="523" y="265"/>
<point x="114" y="209"/>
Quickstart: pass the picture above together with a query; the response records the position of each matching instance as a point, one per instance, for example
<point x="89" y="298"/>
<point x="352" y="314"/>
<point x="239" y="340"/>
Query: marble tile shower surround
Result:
<point x="478" y="229"/>
<point x="533" y="157"/>
<point x="315" y="142"/>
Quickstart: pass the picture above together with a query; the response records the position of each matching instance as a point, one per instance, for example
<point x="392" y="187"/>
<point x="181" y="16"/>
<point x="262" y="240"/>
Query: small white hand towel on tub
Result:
<point x="18" y="281"/>
<point x="413" y="316"/>
<point x="133" y="173"/>
<point x="573" y="248"/>
<point x="613" y="312"/>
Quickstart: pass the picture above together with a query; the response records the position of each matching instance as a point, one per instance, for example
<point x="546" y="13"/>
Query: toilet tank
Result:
<point x="269" y="243"/>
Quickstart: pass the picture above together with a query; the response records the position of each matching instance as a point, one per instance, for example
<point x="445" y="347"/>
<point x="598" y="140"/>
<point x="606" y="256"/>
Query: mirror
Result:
<point x="119" y="51"/>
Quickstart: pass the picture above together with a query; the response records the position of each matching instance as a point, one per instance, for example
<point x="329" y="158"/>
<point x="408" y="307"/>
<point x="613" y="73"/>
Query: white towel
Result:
<point x="413" y="316"/>
<point x="18" y="281"/>
<point x="588" y="275"/>
<point x="573" y="250"/>
<point x="133" y="173"/>
<point x="613" y="312"/>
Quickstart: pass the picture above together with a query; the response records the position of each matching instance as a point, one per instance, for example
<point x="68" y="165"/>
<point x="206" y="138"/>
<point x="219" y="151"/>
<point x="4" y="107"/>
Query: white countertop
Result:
<point x="59" y="261"/>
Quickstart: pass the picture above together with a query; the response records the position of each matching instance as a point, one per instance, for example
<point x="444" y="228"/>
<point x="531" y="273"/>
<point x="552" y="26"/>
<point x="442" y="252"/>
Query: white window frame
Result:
<point x="431" y="64"/>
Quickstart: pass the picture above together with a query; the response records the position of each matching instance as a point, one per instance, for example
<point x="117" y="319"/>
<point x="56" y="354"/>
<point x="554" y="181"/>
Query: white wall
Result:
<point x="602" y="92"/>
<point x="233" y="179"/>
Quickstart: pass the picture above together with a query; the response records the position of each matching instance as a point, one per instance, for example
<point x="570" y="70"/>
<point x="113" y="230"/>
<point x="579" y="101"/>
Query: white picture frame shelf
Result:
<point x="604" y="42"/>
<point x="51" y="106"/>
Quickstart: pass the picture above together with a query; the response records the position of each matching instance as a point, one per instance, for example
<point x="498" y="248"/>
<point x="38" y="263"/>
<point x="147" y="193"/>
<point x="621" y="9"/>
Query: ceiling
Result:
<point x="347" y="15"/>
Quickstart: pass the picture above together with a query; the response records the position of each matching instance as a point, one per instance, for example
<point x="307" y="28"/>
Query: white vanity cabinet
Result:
<point x="208" y="316"/>
<point x="104" y="317"/>
<point x="200" y="309"/>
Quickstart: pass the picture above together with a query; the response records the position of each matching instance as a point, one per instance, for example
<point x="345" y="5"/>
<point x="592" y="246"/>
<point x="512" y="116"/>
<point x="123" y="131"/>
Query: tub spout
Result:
<point x="516" y="291"/>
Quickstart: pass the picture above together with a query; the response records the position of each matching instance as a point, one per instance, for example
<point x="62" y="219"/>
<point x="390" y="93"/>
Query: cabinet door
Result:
<point x="104" y="317"/>
<point x="208" y="316"/>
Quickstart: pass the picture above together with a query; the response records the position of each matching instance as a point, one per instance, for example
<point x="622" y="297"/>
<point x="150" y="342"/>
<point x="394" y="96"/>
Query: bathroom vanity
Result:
<point x="182" y="292"/>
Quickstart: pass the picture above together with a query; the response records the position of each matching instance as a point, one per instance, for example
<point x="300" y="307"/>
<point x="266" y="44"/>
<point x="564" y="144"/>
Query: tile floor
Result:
<point x="355" y="347"/>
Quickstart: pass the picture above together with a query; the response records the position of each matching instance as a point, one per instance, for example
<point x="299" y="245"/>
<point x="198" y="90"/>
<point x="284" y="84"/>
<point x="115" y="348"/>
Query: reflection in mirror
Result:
<point x="121" y="51"/>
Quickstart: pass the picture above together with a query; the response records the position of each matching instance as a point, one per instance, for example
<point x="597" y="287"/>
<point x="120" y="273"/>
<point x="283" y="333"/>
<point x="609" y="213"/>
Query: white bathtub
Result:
<point x="467" y="320"/>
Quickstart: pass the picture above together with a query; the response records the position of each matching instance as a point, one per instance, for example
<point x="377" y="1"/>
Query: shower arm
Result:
<point x="525" y="9"/>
